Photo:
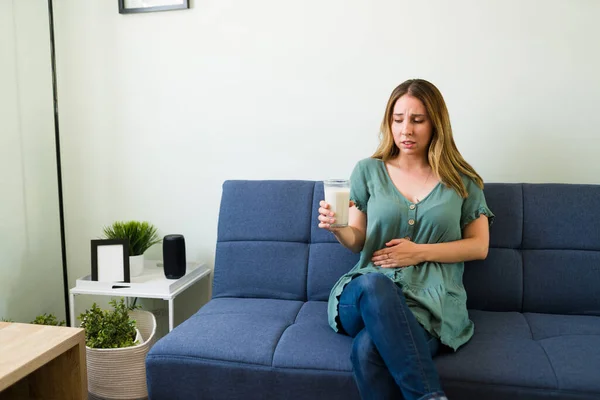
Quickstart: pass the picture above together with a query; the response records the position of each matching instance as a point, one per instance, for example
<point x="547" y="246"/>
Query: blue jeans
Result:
<point x="391" y="352"/>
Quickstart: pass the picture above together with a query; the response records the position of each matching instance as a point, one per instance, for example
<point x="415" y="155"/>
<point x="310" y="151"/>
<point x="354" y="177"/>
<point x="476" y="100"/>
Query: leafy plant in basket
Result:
<point x="109" y="329"/>
<point x="141" y="235"/>
<point x="115" y="371"/>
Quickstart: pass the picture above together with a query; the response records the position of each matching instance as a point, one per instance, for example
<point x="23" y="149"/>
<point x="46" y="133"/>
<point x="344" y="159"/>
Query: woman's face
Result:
<point x="411" y="127"/>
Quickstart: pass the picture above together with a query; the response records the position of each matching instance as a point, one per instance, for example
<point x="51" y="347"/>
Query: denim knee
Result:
<point x="377" y="287"/>
<point x="364" y="353"/>
<point x="376" y="283"/>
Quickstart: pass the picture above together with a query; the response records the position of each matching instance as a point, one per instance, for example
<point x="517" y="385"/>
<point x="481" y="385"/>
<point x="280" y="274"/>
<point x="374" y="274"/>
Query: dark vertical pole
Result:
<point x="58" y="166"/>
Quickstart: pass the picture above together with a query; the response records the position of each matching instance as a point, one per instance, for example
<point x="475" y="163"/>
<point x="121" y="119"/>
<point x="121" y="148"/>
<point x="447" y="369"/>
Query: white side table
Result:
<point x="151" y="284"/>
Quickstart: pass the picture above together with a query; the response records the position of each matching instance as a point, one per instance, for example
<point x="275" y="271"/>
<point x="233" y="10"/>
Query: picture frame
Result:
<point x="110" y="260"/>
<point x="140" y="6"/>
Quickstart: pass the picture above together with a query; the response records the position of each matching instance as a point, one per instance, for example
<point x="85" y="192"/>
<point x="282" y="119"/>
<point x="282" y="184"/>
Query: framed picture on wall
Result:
<point x="110" y="260"/>
<point x="138" y="6"/>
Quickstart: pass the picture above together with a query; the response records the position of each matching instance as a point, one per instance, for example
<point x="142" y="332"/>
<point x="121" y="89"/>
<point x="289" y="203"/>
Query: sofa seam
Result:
<point x="562" y="336"/>
<point x="543" y="349"/>
<point x="206" y="361"/>
<point x="310" y="242"/>
<point x="282" y="333"/>
<point x="298" y="313"/>
<point x="549" y="362"/>
<point x="277" y="344"/>
<point x="521" y="248"/>
<point x="333" y="242"/>
<point x="529" y="326"/>
<point x="307" y="273"/>
<point x="541" y="249"/>
<point x="311" y="214"/>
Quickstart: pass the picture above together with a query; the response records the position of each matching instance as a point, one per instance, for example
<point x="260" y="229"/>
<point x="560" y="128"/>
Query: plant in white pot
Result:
<point x="117" y="342"/>
<point x="141" y="236"/>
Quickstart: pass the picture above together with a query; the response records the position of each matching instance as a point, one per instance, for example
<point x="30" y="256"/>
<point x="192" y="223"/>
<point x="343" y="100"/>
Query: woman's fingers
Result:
<point x="326" y="219"/>
<point x="325" y="215"/>
<point x="326" y="212"/>
<point x="383" y="258"/>
<point x="380" y="257"/>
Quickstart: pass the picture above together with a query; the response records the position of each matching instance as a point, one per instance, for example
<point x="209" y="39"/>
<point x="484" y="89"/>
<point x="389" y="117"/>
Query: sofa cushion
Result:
<point x="245" y="349"/>
<point x="502" y="352"/>
<point x="552" y="353"/>
<point x="266" y="211"/>
<point x="311" y="344"/>
<point x="506" y="202"/>
<point x="230" y="329"/>
<point x="561" y="281"/>
<point x="545" y="326"/>
<point x="526" y="356"/>
<point x="275" y="270"/>
<point x="495" y="284"/>
<point x="262" y="232"/>
<point x="572" y="344"/>
<point x="575" y="361"/>
<point x="327" y="262"/>
<point x="561" y="216"/>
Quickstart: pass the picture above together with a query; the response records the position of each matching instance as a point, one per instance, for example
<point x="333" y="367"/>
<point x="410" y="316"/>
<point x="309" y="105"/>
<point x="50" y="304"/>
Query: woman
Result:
<point x="417" y="212"/>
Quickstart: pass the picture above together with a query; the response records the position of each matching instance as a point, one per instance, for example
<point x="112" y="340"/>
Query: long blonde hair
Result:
<point x="443" y="156"/>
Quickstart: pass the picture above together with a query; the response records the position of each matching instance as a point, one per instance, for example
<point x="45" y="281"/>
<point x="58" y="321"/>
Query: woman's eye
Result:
<point x="418" y="121"/>
<point x="399" y="121"/>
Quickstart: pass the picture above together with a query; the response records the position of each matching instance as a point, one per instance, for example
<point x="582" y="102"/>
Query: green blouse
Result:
<point x="434" y="291"/>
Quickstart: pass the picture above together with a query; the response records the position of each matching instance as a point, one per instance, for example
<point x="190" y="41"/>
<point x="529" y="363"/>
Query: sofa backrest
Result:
<point x="544" y="250"/>
<point x="544" y="247"/>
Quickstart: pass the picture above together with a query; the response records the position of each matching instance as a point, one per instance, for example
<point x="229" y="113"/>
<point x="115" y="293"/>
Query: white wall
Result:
<point x="158" y="109"/>
<point x="30" y="252"/>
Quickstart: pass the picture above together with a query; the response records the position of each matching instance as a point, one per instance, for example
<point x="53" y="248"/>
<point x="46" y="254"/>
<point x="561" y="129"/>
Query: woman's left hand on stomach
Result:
<point x="397" y="253"/>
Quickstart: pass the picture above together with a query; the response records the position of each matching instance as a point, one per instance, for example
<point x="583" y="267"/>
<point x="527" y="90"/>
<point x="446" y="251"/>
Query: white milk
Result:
<point x="338" y="199"/>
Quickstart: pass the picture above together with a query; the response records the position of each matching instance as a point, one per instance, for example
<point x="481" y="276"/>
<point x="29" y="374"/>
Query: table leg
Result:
<point x="72" y="309"/>
<point x="171" y="314"/>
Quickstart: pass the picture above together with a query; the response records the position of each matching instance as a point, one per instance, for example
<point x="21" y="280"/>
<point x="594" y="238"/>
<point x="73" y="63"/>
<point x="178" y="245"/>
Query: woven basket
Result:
<point x="121" y="373"/>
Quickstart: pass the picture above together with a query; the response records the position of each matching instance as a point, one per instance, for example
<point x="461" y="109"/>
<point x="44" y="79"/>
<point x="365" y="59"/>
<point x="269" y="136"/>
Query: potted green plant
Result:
<point x="141" y="236"/>
<point x="42" y="319"/>
<point x="48" y="319"/>
<point x="117" y="342"/>
<point x="109" y="329"/>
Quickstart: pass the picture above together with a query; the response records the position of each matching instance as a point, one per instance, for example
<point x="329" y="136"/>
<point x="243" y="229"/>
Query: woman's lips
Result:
<point x="408" y="144"/>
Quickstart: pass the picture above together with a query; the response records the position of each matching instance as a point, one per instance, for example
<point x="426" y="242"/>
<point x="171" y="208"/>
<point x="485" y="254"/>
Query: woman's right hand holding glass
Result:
<point x="327" y="217"/>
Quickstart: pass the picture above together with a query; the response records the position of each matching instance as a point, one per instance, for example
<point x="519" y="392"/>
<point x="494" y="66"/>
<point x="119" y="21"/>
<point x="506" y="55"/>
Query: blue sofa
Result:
<point x="535" y="302"/>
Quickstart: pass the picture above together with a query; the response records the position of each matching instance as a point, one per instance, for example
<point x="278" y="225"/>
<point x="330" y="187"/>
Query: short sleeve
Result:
<point x="359" y="191"/>
<point x="474" y="205"/>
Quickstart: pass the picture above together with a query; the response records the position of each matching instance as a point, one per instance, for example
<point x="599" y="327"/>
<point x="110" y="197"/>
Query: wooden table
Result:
<point x="42" y="362"/>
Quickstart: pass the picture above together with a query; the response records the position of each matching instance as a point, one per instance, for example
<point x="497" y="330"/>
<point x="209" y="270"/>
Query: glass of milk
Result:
<point x="337" y="194"/>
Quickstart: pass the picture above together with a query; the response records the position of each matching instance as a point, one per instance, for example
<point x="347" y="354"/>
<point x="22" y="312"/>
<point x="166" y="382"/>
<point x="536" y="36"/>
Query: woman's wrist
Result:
<point x="347" y="236"/>
<point x="340" y="233"/>
<point x="423" y="252"/>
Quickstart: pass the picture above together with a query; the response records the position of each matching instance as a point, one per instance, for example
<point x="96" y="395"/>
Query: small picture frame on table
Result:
<point x="139" y="6"/>
<point x="110" y="260"/>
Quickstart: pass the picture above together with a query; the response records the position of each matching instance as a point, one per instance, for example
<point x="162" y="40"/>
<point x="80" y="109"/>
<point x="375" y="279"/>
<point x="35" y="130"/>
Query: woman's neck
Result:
<point x="411" y="164"/>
